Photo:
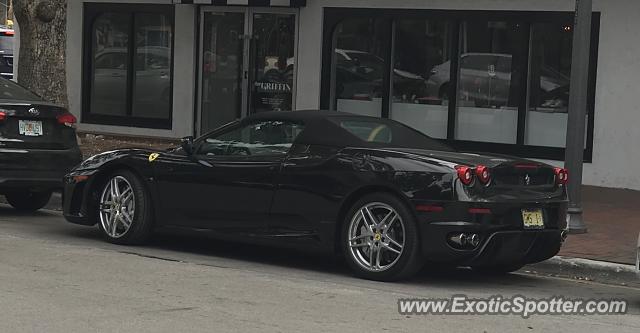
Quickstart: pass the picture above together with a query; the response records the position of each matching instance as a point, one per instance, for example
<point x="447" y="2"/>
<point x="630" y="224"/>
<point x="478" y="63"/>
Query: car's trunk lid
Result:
<point x="506" y="171"/>
<point x="34" y="125"/>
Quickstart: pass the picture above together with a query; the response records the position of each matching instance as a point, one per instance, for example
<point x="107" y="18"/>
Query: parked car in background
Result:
<point x="37" y="146"/>
<point x="6" y="52"/>
<point x="485" y="80"/>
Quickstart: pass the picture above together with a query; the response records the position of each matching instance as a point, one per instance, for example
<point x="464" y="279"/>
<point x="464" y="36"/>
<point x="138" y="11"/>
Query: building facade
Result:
<point x="487" y="75"/>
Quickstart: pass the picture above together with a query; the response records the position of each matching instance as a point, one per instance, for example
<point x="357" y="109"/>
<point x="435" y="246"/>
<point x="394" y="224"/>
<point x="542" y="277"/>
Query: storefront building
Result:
<point x="487" y="75"/>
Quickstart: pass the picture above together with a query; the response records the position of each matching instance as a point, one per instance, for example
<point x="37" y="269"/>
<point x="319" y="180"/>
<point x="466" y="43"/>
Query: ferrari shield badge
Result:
<point x="153" y="156"/>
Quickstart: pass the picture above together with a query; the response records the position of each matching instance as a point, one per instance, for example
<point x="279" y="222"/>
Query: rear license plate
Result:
<point x="30" y="127"/>
<point x="532" y="219"/>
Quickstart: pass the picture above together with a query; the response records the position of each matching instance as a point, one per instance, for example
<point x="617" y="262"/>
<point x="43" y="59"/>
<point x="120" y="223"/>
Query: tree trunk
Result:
<point x="43" y="36"/>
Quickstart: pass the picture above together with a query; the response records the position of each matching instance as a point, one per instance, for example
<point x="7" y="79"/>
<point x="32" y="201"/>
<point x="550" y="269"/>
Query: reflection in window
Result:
<point x="222" y="49"/>
<point x="152" y="92"/>
<point x="110" y="64"/>
<point x="359" y="66"/>
<point x="421" y="76"/>
<point x="489" y="81"/>
<point x="264" y="138"/>
<point x="550" y="69"/>
<point x="130" y="71"/>
<point x="274" y="42"/>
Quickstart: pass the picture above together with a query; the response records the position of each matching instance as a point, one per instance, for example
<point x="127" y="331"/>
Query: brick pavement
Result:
<point x="613" y="221"/>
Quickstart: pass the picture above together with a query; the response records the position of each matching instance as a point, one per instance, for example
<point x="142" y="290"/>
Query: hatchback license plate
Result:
<point x="30" y="127"/>
<point x="532" y="219"/>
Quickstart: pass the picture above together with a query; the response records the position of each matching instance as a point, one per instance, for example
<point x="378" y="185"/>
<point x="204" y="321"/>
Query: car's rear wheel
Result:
<point x="28" y="201"/>
<point x="124" y="209"/>
<point x="380" y="239"/>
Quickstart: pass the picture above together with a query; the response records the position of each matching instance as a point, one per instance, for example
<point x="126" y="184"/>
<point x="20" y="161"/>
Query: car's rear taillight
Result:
<point x="3" y="116"/>
<point x="465" y="174"/>
<point x="562" y="176"/>
<point x="67" y="119"/>
<point x="483" y="173"/>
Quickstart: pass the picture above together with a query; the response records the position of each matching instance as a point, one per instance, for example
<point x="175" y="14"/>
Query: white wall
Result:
<point x="183" y="71"/>
<point x="616" y="151"/>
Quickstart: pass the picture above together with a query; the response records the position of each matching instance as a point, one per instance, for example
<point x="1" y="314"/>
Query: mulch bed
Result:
<point x="91" y="144"/>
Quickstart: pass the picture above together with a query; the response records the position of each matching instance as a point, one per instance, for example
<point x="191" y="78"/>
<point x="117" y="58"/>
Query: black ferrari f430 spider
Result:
<point x="387" y="197"/>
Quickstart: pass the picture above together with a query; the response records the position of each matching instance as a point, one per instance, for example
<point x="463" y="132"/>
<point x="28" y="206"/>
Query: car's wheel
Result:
<point x="124" y="212"/>
<point x="498" y="269"/>
<point x="28" y="201"/>
<point x="380" y="239"/>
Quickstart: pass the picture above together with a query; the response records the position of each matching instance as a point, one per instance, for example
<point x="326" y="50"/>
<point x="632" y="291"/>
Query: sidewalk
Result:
<point x="612" y="217"/>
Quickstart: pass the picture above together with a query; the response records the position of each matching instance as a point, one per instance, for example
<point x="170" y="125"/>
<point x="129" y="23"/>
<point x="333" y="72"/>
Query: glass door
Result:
<point x="272" y="61"/>
<point x="222" y="64"/>
<point x="247" y="63"/>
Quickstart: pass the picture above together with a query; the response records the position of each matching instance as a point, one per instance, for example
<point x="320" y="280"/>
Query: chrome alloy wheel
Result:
<point x="376" y="237"/>
<point x="117" y="207"/>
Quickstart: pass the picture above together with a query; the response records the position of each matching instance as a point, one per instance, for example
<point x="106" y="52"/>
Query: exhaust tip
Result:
<point x="466" y="241"/>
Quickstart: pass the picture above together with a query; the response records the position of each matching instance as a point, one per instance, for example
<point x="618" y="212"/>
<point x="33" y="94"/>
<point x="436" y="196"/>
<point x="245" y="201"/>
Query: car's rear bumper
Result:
<point x="503" y="240"/>
<point x="34" y="169"/>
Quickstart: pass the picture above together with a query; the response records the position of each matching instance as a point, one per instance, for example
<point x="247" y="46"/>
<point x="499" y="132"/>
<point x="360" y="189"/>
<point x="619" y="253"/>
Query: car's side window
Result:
<point x="261" y="138"/>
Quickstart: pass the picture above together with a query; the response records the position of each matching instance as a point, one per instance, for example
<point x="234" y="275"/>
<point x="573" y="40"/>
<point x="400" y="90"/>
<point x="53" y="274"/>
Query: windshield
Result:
<point x="388" y="133"/>
<point x="13" y="91"/>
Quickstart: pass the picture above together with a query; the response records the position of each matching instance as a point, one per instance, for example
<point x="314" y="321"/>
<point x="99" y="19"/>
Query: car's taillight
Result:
<point x="465" y="174"/>
<point x="3" y="116"/>
<point x="483" y="174"/>
<point x="67" y="119"/>
<point x="562" y="176"/>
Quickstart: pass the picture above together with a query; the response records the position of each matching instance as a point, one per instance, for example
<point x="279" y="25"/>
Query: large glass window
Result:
<point x="489" y="77"/>
<point x="152" y="91"/>
<point x="493" y="81"/>
<point x="421" y="75"/>
<point x="358" y="69"/>
<point x="129" y="65"/>
<point x="550" y="71"/>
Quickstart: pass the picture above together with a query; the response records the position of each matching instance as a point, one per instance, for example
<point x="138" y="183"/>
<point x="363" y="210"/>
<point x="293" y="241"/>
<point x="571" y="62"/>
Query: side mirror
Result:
<point x="187" y="144"/>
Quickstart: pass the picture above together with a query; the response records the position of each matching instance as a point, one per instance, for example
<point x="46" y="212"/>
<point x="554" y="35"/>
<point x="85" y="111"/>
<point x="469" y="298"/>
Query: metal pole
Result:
<point x="574" y="152"/>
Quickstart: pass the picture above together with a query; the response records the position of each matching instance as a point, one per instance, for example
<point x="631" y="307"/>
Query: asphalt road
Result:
<point x="58" y="277"/>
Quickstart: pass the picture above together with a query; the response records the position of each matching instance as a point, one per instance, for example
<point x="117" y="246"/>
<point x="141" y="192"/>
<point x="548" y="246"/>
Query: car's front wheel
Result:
<point x="124" y="209"/>
<point x="380" y="239"/>
<point x="28" y="201"/>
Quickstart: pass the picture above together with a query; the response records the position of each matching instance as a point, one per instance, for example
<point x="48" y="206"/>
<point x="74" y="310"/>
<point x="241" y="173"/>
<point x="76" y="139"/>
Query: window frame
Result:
<point x="333" y="16"/>
<point x="92" y="11"/>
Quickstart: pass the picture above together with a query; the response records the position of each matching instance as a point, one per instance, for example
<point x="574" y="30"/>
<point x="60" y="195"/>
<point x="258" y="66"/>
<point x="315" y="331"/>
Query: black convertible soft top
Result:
<point x="324" y="128"/>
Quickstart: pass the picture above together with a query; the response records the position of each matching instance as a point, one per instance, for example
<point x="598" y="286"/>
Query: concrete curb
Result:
<point x="587" y="270"/>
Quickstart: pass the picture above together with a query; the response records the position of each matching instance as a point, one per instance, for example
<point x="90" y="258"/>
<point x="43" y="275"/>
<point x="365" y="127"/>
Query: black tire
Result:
<point x="410" y="260"/>
<point x="141" y="226"/>
<point x="499" y="269"/>
<point x="28" y="201"/>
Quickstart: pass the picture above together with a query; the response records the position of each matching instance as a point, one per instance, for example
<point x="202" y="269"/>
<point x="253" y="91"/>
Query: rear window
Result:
<point x="368" y="131"/>
<point x="13" y="91"/>
<point x="388" y="133"/>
